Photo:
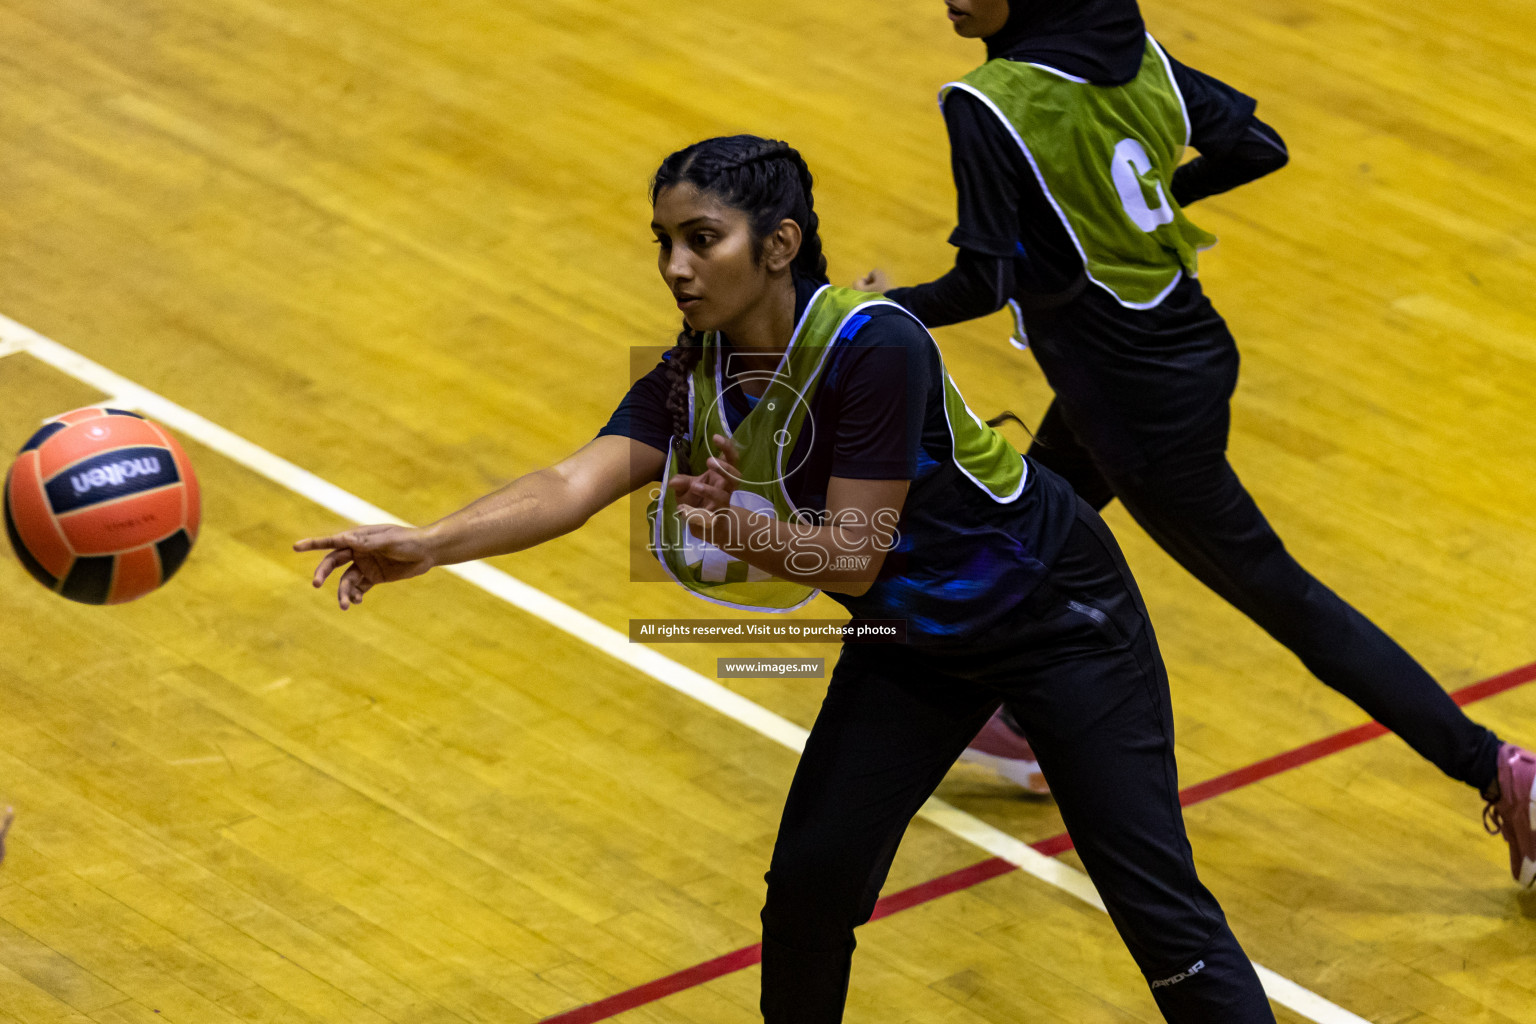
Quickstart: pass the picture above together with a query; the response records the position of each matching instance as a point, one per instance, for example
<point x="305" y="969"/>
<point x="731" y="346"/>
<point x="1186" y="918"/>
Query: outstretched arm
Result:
<point x="548" y="502"/>
<point x="530" y="510"/>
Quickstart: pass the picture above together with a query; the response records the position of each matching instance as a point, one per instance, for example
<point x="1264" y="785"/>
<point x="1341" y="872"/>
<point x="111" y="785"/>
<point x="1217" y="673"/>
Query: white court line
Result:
<point x="15" y="337"/>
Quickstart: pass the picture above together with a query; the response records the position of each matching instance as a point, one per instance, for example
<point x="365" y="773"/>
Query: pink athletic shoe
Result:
<point x="1514" y="813"/>
<point x="1005" y="750"/>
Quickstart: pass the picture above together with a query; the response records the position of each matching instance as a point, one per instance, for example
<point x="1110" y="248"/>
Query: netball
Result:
<point x="101" y="505"/>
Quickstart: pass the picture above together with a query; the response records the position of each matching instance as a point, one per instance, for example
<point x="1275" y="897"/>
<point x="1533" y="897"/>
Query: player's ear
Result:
<point x="781" y="246"/>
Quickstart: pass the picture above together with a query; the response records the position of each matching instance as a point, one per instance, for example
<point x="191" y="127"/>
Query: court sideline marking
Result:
<point x="124" y="393"/>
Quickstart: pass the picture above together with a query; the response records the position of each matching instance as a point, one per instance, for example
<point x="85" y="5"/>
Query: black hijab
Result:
<point x="1100" y="40"/>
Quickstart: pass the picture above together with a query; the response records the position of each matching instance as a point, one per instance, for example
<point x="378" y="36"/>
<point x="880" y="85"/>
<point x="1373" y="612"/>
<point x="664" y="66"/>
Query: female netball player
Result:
<point x="809" y="439"/>
<point x="1065" y="147"/>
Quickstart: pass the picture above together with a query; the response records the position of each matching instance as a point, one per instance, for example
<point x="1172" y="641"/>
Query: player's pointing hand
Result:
<point x="377" y="554"/>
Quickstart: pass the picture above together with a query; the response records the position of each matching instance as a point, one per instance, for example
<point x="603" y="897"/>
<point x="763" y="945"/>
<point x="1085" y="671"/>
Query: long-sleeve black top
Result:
<point x="1011" y="242"/>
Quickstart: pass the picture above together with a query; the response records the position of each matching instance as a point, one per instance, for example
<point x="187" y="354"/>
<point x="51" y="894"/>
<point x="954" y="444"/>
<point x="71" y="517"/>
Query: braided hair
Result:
<point x="769" y="182"/>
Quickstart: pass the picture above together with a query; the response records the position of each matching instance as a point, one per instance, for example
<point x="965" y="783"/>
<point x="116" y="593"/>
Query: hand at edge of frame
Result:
<point x="876" y="280"/>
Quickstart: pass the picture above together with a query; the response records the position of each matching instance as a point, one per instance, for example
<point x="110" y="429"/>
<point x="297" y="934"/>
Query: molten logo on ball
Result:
<point x="114" y="474"/>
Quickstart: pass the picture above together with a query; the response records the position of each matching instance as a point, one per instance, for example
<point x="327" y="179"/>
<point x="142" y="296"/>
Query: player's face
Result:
<point x="706" y="256"/>
<point x="977" y="19"/>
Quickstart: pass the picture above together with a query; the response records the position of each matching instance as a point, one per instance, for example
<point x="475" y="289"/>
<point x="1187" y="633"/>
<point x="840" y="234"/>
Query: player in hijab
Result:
<point x="1066" y="147"/>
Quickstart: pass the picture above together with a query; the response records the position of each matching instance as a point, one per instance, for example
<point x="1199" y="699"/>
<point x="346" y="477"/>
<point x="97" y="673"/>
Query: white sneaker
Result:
<point x="1004" y="749"/>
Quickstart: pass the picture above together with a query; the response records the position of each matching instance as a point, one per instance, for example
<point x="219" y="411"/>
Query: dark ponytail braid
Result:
<point x="681" y="359"/>
<point x="810" y="261"/>
<point x="769" y="182"/>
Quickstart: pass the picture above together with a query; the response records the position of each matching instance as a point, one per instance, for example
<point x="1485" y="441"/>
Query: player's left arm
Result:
<point x="1235" y="147"/>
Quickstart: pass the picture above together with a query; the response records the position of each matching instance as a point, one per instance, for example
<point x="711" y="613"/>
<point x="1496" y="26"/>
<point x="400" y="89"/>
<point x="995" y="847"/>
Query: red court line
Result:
<point x="965" y="878"/>
<point x="1340" y="741"/>
<point x="651" y="991"/>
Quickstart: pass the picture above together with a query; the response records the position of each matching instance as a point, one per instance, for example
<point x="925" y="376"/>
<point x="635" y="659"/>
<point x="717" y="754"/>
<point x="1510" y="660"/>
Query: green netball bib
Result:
<point x="765" y="441"/>
<point x="1105" y="156"/>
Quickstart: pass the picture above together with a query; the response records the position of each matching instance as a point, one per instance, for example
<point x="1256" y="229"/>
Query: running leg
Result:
<point x="1200" y="513"/>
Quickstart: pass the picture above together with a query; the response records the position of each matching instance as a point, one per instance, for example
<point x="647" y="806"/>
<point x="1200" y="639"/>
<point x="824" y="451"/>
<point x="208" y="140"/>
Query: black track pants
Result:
<point x="1080" y="670"/>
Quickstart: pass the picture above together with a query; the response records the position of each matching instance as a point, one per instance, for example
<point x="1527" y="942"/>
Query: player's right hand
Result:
<point x="377" y="554"/>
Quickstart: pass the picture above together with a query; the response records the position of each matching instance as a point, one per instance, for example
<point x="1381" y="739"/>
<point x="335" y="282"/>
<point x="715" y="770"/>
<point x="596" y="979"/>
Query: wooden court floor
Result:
<point x="404" y="246"/>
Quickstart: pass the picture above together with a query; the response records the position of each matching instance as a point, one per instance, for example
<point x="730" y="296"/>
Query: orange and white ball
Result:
<point x="102" y="505"/>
